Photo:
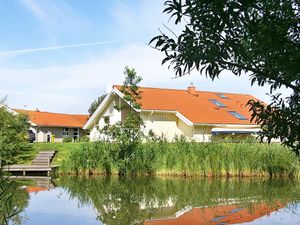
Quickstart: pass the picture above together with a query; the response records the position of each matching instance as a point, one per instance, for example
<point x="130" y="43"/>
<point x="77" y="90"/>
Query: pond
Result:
<point x="159" y="201"/>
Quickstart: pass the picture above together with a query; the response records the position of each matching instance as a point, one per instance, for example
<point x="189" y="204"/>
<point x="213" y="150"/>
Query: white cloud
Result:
<point x="56" y="16"/>
<point x="143" y="19"/>
<point x="35" y="9"/>
<point x="71" y="88"/>
<point x="58" y="47"/>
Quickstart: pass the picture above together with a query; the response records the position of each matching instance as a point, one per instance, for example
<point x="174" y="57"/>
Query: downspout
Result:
<point x="203" y="137"/>
<point x="193" y="131"/>
<point x="150" y="115"/>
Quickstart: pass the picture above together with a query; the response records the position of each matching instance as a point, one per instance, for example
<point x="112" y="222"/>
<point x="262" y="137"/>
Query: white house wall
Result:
<point x="56" y="132"/>
<point x="94" y="134"/>
<point x="109" y="111"/>
<point x="187" y="130"/>
<point x="164" y="124"/>
<point x="202" y="133"/>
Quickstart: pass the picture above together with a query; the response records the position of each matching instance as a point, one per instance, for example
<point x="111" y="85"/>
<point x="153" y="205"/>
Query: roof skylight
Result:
<point x="221" y="95"/>
<point x="237" y="115"/>
<point x="218" y="103"/>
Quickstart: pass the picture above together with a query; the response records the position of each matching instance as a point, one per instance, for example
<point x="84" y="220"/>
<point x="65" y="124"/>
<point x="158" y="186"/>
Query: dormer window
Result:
<point x="223" y="96"/>
<point x="237" y="115"/>
<point x="218" y="103"/>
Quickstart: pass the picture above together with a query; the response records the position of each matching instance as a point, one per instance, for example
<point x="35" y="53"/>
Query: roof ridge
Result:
<point x="73" y="116"/>
<point x="174" y="89"/>
<point x="26" y="110"/>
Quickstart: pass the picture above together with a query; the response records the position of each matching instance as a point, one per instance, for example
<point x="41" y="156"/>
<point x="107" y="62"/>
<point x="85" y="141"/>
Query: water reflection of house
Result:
<point x="35" y="189"/>
<point x="222" y="214"/>
<point x="40" y="184"/>
<point x="197" y="115"/>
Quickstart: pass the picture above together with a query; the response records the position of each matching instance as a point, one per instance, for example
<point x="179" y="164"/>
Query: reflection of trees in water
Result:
<point x="132" y="200"/>
<point x="13" y="200"/>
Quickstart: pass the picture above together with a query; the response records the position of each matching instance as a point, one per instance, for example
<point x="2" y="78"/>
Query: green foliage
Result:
<point x="13" y="200"/>
<point x="84" y="138"/>
<point x="258" y="37"/>
<point x="96" y="103"/>
<point x="13" y="136"/>
<point x="279" y="120"/>
<point x="126" y="133"/>
<point x="130" y="87"/>
<point x="67" y="139"/>
<point x="13" y="142"/>
<point x="184" y="158"/>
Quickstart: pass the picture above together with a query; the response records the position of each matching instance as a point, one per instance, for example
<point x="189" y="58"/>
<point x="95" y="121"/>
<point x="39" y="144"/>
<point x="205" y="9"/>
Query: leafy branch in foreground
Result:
<point x="257" y="37"/>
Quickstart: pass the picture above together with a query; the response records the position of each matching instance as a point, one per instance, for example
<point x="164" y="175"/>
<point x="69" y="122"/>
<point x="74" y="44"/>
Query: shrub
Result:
<point x="13" y="136"/>
<point x="67" y="140"/>
<point x="84" y="139"/>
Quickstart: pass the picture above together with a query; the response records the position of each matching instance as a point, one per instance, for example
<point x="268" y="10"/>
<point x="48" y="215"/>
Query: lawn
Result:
<point x="63" y="149"/>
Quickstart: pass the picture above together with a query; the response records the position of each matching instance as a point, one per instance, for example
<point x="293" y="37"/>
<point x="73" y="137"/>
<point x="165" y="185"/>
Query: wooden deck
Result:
<point x="42" y="163"/>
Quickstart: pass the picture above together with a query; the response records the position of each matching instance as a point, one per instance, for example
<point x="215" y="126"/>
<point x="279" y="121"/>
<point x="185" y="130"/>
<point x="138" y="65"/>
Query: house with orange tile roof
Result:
<point x="220" y="214"/>
<point x="198" y="115"/>
<point x="53" y="127"/>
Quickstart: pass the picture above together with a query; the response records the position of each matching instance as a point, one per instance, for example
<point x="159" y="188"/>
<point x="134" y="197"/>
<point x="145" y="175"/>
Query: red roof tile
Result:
<point x="197" y="107"/>
<point x="48" y="119"/>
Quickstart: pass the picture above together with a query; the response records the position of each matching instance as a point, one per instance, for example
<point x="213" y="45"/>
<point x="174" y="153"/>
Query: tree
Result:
<point x="256" y="37"/>
<point x="127" y="132"/>
<point x="13" y="141"/>
<point x="94" y="105"/>
<point x="13" y="136"/>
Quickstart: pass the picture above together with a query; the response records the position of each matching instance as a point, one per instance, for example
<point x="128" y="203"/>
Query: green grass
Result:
<point x="63" y="151"/>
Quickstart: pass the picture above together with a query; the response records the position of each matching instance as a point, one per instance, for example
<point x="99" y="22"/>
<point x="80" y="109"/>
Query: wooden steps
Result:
<point x="41" y="163"/>
<point x="44" y="158"/>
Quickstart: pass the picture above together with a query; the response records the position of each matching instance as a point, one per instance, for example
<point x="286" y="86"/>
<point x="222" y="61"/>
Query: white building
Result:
<point x="170" y="112"/>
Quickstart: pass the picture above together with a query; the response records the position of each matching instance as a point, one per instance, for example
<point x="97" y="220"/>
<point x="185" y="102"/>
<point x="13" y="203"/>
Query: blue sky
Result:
<point x="59" y="55"/>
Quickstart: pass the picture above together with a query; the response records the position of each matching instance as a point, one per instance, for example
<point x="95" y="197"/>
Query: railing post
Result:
<point x="48" y="161"/>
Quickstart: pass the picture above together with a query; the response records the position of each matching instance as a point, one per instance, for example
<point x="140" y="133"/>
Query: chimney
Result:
<point x="191" y="89"/>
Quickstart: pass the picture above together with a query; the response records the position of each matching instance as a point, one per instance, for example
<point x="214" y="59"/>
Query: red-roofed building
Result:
<point x="221" y="214"/>
<point x="170" y="112"/>
<point x="53" y="127"/>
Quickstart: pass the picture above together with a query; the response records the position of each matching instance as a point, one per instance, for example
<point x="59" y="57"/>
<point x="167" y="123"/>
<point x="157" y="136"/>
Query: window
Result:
<point x="218" y="103"/>
<point x="66" y="132"/>
<point x="106" y="120"/>
<point x="75" y="133"/>
<point x="223" y="96"/>
<point x="237" y="115"/>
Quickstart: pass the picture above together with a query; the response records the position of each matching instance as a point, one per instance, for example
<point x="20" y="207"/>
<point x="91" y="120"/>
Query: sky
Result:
<point x="60" y="55"/>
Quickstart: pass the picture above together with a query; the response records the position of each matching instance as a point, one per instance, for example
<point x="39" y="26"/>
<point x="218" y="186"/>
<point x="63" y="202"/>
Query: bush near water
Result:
<point x="183" y="158"/>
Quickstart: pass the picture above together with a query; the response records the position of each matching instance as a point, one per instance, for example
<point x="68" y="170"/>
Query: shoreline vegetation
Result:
<point x="182" y="158"/>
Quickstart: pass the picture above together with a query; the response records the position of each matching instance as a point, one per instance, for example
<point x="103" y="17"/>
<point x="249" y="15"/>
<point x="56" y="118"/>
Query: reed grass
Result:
<point x="187" y="159"/>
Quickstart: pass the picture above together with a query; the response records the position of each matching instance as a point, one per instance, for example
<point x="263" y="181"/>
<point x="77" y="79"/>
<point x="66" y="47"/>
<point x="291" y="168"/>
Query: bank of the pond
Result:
<point x="183" y="158"/>
<point x="63" y="150"/>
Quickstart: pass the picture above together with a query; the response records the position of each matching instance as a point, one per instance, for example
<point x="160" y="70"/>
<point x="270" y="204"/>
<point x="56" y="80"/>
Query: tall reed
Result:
<point x="186" y="158"/>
